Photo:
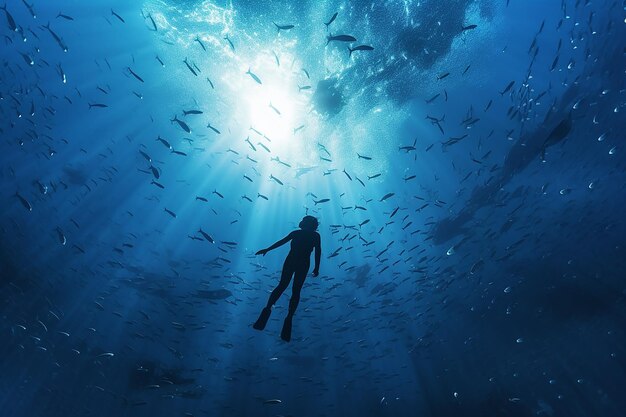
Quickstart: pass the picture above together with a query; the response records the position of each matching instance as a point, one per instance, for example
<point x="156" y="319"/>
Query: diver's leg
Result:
<point x="298" y="282"/>
<point x="263" y="318"/>
<point x="285" y="277"/>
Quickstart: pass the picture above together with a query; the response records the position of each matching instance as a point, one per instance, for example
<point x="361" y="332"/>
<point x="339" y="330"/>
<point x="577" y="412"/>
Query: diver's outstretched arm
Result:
<point x="275" y="245"/>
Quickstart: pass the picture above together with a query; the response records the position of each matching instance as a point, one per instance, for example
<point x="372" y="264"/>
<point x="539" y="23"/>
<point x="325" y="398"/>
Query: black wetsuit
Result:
<point x="297" y="263"/>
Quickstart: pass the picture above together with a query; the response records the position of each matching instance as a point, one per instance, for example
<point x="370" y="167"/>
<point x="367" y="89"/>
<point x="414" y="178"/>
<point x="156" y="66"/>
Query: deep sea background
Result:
<point x="473" y="241"/>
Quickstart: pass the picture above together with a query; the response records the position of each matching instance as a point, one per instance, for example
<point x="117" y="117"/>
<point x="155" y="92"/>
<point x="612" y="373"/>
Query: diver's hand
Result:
<point x="316" y="272"/>
<point x="262" y="252"/>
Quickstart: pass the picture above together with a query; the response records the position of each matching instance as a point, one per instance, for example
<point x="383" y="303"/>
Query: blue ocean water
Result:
<point x="464" y="159"/>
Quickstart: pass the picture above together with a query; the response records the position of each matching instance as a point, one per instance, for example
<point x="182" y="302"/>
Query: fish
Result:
<point x="507" y="88"/>
<point x="10" y="19"/>
<point x="340" y="38"/>
<point x="274" y="108"/>
<point x="160" y="62"/>
<point x="200" y="42"/>
<point x="213" y="129"/>
<point x="229" y="42"/>
<point x="58" y="40"/>
<point x="206" y="236"/>
<point x="332" y="19"/>
<point x="145" y="155"/>
<point x="306" y="73"/>
<point x="182" y="124"/>
<point x="250" y="143"/>
<point x="188" y="112"/>
<point x="304" y="87"/>
<point x="272" y="401"/>
<point x="477" y="266"/>
<point x="31" y="9"/>
<point x="157" y="184"/>
<point x="42" y="187"/>
<point x="371" y="177"/>
<point x="277" y="159"/>
<point x="433" y="98"/>
<point x="442" y="76"/>
<point x="134" y="74"/>
<point x="155" y="172"/>
<point x="101" y="105"/>
<point x="283" y="27"/>
<point x="170" y="212"/>
<point x="360" y="48"/>
<point x="27" y="59"/>
<point x="118" y="16"/>
<point x="367" y="158"/>
<point x="24" y="202"/>
<point x="164" y="142"/>
<point x="554" y="63"/>
<point x="386" y="196"/>
<point x="262" y="196"/>
<point x="218" y="194"/>
<point x="254" y="76"/>
<point x="34" y="34"/>
<point x="202" y="199"/>
<point x="323" y="200"/>
<point x="276" y="179"/>
<point x="347" y="175"/>
<point x="154" y="26"/>
<point x="468" y="27"/>
<point x="303" y="170"/>
<point x="64" y="16"/>
<point x="190" y="67"/>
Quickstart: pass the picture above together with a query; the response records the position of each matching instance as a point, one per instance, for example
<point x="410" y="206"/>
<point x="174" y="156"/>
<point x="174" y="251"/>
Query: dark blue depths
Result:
<point x="465" y="160"/>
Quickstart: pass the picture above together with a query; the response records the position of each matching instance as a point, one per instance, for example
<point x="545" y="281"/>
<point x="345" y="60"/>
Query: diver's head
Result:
<point x="308" y="223"/>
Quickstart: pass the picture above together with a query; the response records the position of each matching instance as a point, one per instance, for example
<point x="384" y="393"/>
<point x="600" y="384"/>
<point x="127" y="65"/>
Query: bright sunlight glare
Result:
<point x="276" y="113"/>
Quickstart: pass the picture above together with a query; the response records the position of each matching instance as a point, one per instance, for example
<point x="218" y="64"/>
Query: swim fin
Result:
<point x="263" y="318"/>
<point x="285" y="334"/>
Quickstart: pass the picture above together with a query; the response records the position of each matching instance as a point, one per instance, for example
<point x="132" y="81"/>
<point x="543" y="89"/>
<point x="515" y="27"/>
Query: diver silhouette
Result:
<point x="297" y="263"/>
